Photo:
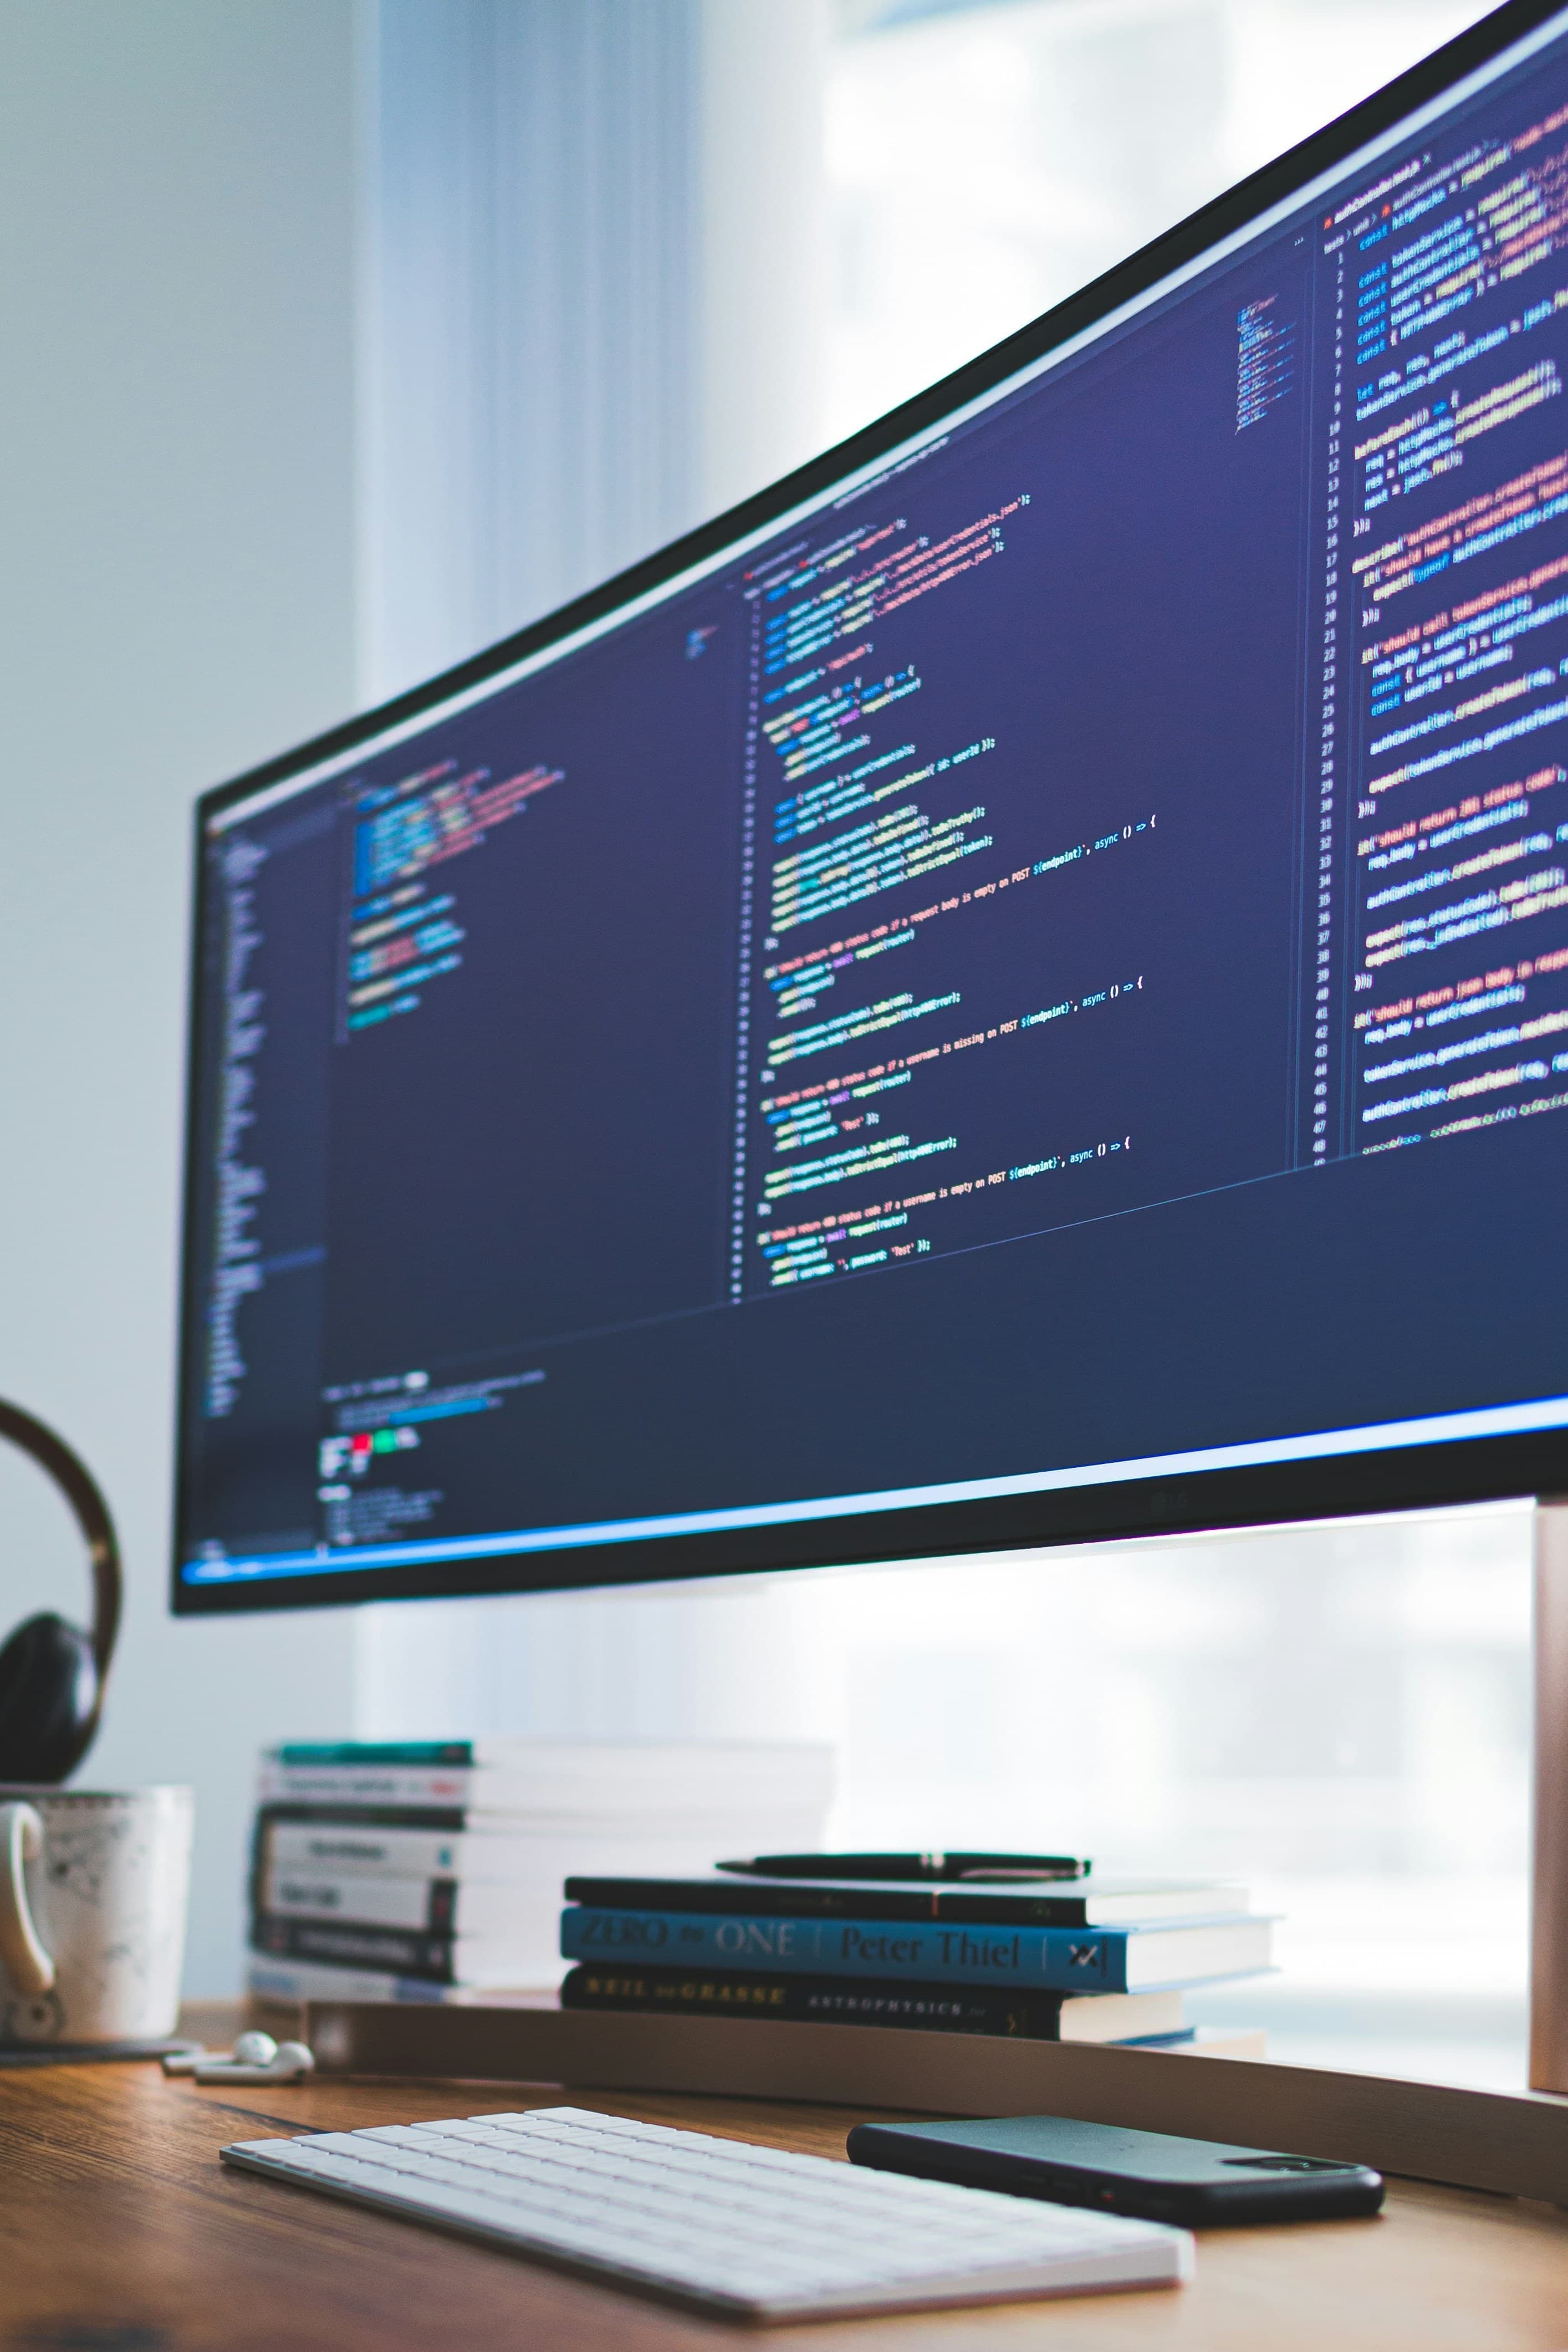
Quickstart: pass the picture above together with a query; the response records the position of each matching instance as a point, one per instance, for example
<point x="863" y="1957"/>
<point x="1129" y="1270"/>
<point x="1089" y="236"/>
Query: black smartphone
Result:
<point x="1199" y="2183"/>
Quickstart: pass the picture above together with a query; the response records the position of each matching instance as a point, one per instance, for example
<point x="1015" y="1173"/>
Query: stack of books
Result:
<point x="432" y="1869"/>
<point x="1076" y="1960"/>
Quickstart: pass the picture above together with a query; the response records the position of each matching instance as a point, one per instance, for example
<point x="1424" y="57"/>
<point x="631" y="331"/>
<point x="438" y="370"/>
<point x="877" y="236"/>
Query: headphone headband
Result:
<point x="81" y="1491"/>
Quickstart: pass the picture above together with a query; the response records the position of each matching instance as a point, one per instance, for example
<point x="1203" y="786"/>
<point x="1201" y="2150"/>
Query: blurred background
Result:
<point x="343" y="336"/>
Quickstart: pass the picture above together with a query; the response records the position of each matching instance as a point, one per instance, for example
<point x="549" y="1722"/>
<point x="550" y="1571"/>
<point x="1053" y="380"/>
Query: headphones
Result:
<point x="52" y="1674"/>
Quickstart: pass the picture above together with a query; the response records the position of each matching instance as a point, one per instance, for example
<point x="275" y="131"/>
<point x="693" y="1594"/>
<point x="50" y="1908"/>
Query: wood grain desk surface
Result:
<point x="120" y="2232"/>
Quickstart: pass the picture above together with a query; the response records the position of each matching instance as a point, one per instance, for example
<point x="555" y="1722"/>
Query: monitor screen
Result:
<point x="1015" y="988"/>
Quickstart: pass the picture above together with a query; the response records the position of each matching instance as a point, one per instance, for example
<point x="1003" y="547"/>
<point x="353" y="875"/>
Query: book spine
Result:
<point x="428" y="1905"/>
<point x="321" y="1813"/>
<point x="1055" y="1959"/>
<point x="777" y="1898"/>
<point x="365" y="1852"/>
<point x="301" y="1980"/>
<point x="357" y="1754"/>
<point x="393" y="1950"/>
<point x="447" y="1786"/>
<point x="929" y="2007"/>
<point x="280" y="1829"/>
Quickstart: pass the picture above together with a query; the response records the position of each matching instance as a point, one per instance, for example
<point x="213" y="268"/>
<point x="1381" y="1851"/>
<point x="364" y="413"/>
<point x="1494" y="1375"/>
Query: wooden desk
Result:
<point x="120" y="2232"/>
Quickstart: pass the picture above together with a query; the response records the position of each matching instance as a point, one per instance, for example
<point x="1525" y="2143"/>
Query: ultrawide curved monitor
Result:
<point x="1014" y="988"/>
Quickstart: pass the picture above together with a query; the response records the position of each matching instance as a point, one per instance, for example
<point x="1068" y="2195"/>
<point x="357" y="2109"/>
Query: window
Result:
<point x="984" y="161"/>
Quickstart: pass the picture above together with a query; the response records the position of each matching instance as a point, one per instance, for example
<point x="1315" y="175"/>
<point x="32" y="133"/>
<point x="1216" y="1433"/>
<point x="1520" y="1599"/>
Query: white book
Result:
<point x="345" y="1849"/>
<point x="302" y="1980"/>
<point x="438" y="1906"/>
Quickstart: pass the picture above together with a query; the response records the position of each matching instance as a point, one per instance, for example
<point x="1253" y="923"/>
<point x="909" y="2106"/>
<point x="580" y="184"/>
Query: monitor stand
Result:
<point x="1513" y="2142"/>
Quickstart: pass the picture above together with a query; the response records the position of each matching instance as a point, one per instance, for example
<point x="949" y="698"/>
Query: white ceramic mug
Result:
<point x="93" y="1889"/>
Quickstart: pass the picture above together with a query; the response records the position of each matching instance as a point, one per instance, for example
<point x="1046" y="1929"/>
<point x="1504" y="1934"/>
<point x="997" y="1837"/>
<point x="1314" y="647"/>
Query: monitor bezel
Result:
<point x="1352" y="1483"/>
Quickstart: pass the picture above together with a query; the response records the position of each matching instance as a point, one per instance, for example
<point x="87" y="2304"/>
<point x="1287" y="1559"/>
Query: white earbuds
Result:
<point x="256" y="2058"/>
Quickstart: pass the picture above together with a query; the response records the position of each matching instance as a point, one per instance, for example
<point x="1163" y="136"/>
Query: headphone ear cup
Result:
<point x="49" y="1700"/>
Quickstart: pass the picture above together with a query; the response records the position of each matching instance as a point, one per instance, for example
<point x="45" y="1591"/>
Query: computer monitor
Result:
<point x="1013" y="988"/>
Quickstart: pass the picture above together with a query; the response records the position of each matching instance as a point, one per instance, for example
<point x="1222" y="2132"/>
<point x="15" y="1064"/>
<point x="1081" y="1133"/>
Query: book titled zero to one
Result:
<point x="1102" y="1959"/>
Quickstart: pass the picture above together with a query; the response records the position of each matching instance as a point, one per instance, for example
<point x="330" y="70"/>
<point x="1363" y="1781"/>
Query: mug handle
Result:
<point x="29" y="1967"/>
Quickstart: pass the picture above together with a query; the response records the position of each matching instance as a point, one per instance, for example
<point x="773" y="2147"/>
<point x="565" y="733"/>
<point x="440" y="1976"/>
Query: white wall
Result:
<point x="177" y="247"/>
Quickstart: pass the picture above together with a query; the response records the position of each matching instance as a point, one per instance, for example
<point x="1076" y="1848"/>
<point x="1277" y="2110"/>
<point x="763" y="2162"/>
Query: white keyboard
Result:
<point x="751" y="2232"/>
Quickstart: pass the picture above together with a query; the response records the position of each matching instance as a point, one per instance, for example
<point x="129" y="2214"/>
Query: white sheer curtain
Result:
<point x="591" y="273"/>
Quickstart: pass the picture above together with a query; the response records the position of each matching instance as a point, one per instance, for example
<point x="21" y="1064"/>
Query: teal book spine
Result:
<point x="1053" y="1960"/>
<point x="315" y="1753"/>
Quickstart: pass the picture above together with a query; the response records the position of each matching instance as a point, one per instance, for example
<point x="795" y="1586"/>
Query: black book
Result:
<point x="324" y="1813"/>
<point x="1108" y="1903"/>
<point x="1020" y="2014"/>
<point x="395" y="1951"/>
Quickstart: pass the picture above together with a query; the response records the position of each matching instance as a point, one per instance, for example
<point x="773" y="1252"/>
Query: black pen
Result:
<point x="910" y="1866"/>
